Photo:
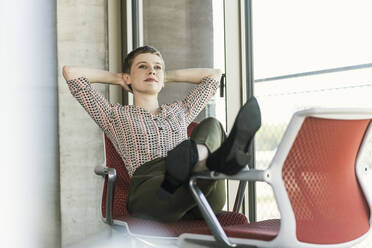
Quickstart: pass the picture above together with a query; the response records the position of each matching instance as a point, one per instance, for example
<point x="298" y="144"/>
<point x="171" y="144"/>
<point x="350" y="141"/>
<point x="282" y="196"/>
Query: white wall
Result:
<point x="29" y="182"/>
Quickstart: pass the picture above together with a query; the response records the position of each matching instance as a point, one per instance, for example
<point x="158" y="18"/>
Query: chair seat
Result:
<point x="262" y="230"/>
<point x="153" y="228"/>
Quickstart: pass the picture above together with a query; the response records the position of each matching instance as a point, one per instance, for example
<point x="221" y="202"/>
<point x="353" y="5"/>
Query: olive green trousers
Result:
<point x="143" y="201"/>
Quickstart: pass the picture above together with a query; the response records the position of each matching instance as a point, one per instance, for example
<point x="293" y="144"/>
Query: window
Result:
<point x="306" y="54"/>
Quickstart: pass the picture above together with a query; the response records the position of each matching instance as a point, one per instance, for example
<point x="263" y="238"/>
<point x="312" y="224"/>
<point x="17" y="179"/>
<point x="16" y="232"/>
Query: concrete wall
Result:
<point x="29" y="185"/>
<point x="82" y="40"/>
<point x="183" y="32"/>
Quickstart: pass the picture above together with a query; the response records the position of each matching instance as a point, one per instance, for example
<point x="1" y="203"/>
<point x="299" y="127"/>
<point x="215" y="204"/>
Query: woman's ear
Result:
<point x="127" y="82"/>
<point x="126" y="78"/>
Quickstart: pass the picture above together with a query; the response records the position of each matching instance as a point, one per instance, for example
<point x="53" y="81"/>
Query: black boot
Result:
<point x="179" y="164"/>
<point x="232" y="155"/>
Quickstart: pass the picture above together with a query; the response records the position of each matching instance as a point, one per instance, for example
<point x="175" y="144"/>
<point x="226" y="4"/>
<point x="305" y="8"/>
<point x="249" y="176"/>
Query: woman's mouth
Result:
<point x="150" y="80"/>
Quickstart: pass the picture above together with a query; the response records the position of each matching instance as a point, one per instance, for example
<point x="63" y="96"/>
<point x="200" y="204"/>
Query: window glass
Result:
<point x="306" y="54"/>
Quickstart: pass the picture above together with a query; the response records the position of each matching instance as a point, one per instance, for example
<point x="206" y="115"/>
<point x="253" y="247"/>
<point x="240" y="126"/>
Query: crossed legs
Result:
<point x="200" y="152"/>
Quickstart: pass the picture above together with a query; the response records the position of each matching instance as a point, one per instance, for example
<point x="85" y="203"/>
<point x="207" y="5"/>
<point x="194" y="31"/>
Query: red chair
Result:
<point x="319" y="183"/>
<point x="114" y="211"/>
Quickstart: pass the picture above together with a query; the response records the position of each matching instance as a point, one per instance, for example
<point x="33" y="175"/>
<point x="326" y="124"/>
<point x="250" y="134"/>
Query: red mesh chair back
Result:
<point x="147" y="227"/>
<point x="321" y="182"/>
<point x="113" y="160"/>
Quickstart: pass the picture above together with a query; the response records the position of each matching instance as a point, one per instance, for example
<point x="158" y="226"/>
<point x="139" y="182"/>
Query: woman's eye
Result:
<point x="142" y="67"/>
<point x="157" y="67"/>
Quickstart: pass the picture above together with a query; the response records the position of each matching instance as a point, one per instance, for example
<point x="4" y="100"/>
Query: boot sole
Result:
<point x="247" y="122"/>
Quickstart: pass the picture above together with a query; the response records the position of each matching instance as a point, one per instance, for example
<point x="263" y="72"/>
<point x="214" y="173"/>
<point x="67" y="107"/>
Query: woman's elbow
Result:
<point x="217" y="73"/>
<point x="66" y="72"/>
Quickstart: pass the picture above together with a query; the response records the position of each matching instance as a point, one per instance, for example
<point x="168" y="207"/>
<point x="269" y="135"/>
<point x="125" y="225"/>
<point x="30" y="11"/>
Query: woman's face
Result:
<point x="147" y="74"/>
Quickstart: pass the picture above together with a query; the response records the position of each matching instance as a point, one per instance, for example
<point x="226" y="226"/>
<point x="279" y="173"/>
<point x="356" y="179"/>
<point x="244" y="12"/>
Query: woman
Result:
<point x="152" y="139"/>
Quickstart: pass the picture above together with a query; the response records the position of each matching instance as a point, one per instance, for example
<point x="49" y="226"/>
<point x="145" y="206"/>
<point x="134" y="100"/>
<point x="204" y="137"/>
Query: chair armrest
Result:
<point x="245" y="174"/>
<point x="214" y="226"/>
<point x="111" y="179"/>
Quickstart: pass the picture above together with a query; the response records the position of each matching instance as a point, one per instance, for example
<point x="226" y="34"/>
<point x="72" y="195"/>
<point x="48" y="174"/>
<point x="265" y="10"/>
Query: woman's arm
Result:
<point x="94" y="75"/>
<point x="193" y="75"/>
<point x="79" y="81"/>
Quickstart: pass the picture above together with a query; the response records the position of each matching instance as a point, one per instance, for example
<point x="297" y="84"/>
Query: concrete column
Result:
<point x="29" y="185"/>
<point x="82" y="40"/>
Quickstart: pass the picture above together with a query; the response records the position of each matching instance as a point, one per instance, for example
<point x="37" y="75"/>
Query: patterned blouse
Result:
<point x="138" y="135"/>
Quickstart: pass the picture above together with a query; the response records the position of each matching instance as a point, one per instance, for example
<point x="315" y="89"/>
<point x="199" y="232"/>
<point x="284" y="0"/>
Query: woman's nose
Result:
<point x="152" y="71"/>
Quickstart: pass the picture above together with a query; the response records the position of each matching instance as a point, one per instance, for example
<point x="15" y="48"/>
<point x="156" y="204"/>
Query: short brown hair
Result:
<point x="128" y="61"/>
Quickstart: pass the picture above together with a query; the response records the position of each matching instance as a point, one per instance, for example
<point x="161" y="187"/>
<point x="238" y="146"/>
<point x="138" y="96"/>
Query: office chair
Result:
<point x="114" y="211"/>
<point x="319" y="183"/>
